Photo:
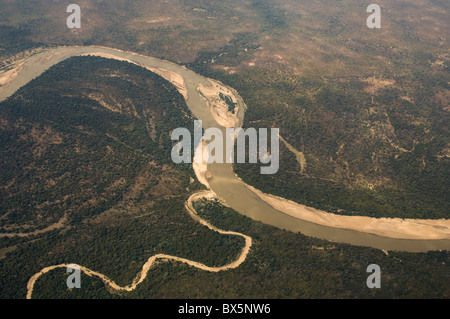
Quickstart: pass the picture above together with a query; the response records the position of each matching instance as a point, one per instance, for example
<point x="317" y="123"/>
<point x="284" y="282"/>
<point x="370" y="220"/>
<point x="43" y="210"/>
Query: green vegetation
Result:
<point x="280" y="265"/>
<point x="373" y="147"/>
<point x="367" y="108"/>
<point x="90" y="139"/>
<point x="78" y="147"/>
<point x="386" y="159"/>
<point x="230" y="103"/>
<point x="375" y="144"/>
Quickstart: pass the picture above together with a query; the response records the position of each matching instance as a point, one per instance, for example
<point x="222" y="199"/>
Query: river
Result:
<point x="223" y="180"/>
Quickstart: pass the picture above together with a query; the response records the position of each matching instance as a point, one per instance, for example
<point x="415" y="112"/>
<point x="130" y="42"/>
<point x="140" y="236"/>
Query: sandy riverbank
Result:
<point x="7" y="77"/>
<point x="218" y="107"/>
<point x="200" y="164"/>
<point x="425" y="229"/>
